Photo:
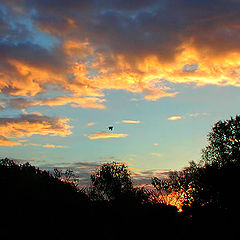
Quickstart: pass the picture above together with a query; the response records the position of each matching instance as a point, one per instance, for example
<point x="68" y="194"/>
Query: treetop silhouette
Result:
<point x="112" y="181"/>
<point x="212" y="180"/>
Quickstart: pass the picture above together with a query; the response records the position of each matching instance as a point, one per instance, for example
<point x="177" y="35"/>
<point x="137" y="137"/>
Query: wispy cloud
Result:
<point x="28" y="125"/>
<point x="74" y="101"/>
<point x="194" y="115"/>
<point x="104" y="135"/>
<point x="143" y="177"/>
<point x="186" y="116"/>
<point x="44" y="145"/>
<point x="175" y="118"/>
<point x="91" y="124"/>
<point x="131" y="121"/>
<point x="7" y="142"/>
<point x="156" y="154"/>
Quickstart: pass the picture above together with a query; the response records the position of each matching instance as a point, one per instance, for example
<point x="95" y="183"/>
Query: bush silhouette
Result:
<point x="34" y="198"/>
<point x="27" y="182"/>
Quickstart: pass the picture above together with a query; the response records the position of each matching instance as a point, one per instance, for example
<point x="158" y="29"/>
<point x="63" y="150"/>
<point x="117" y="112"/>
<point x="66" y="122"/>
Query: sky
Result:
<point x="160" y="72"/>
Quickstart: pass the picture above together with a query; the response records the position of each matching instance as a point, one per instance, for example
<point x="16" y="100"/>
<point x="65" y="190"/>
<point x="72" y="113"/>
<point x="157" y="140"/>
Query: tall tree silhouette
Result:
<point x="224" y="143"/>
<point x="212" y="180"/>
<point x="111" y="180"/>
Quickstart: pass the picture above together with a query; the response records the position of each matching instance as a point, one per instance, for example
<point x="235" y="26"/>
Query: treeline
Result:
<point x="37" y="202"/>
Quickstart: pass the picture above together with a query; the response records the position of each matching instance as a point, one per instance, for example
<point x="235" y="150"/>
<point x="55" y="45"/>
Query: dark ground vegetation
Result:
<point x="36" y="203"/>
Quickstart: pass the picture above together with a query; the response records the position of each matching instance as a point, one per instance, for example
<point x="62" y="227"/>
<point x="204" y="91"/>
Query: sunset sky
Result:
<point x="161" y="72"/>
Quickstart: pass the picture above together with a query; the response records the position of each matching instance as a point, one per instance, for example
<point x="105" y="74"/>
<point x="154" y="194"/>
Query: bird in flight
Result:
<point x="110" y="128"/>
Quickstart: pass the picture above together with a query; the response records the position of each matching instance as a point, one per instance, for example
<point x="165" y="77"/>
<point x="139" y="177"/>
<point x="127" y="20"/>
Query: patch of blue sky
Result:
<point x="190" y="67"/>
<point x="35" y="36"/>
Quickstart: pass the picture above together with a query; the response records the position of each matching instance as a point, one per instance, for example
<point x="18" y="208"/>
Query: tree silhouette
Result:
<point x="111" y="180"/>
<point x="224" y="143"/>
<point x="32" y="197"/>
<point x="214" y="178"/>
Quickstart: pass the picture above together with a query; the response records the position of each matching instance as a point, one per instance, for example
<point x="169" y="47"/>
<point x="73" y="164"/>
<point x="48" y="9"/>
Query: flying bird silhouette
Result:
<point x="110" y="128"/>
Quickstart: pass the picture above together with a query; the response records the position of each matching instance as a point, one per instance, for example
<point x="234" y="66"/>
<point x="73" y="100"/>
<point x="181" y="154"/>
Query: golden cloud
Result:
<point x="83" y="102"/>
<point x="190" y="65"/>
<point x="104" y="135"/>
<point x="53" y="146"/>
<point x="199" y="48"/>
<point x="91" y="124"/>
<point x="174" y="118"/>
<point x="85" y="88"/>
<point x="6" y="142"/>
<point x="131" y="121"/>
<point x="44" y="145"/>
<point x="28" y="125"/>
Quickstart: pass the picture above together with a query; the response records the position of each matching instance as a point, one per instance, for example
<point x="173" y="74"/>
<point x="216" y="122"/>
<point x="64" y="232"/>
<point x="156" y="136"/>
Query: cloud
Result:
<point x="6" y="142"/>
<point x="44" y="145"/>
<point x="156" y="154"/>
<point x="53" y="146"/>
<point x="81" y="170"/>
<point x="144" y="177"/>
<point x="91" y="124"/>
<point x="2" y="107"/>
<point x="116" y="45"/>
<point x="194" y="115"/>
<point x="104" y="135"/>
<point x="131" y="121"/>
<point x="28" y="125"/>
<point x="84" y="102"/>
<point x="175" y="118"/>
<point x="190" y="115"/>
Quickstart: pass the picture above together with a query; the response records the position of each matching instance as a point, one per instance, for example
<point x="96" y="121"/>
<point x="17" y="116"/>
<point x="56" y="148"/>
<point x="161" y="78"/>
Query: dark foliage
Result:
<point x="210" y="187"/>
<point x="113" y="182"/>
<point x="36" y="203"/>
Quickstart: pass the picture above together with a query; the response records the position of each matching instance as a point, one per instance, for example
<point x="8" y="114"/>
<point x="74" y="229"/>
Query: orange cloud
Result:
<point x="28" y="125"/>
<point x="44" y="145"/>
<point x="199" y="48"/>
<point x="91" y="124"/>
<point x="53" y="146"/>
<point x="104" y="135"/>
<point x="84" y="102"/>
<point x="6" y="142"/>
<point x="26" y="79"/>
<point x="131" y="121"/>
<point x="85" y="81"/>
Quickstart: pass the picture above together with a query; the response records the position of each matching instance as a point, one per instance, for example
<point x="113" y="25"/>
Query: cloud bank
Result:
<point x="28" y="125"/>
<point x="91" y="46"/>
